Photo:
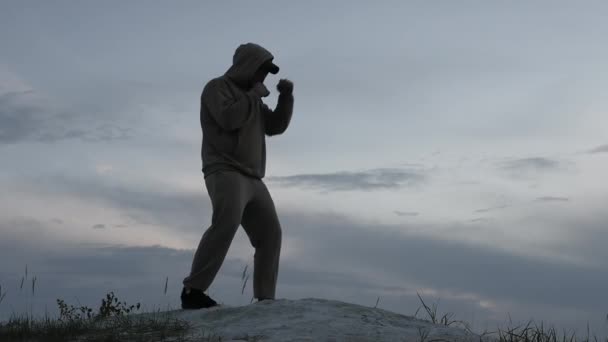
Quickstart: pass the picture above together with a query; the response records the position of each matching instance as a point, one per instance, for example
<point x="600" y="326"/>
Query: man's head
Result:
<point x="263" y="70"/>
<point x="259" y="76"/>
<point x="251" y="63"/>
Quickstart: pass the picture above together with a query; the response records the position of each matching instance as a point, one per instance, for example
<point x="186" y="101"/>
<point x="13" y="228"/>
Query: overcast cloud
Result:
<point x="453" y="149"/>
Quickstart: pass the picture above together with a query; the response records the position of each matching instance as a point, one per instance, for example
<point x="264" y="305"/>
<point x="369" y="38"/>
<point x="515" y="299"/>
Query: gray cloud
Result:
<point x="99" y="226"/>
<point x="528" y="168"/>
<point x="405" y="213"/>
<point x="537" y="164"/>
<point x="480" y="219"/>
<point x="600" y="149"/>
<point x="529" y="87"/>
<point x="485" y="210"/>
<point x="552" y="199"/>
<point x="324" y="268"/>
<point x="17" y="119"/>
<point x="138" y="274"/>
<point x="23" y="117"/>
<point x="404" y="257"/>
<point x="186" y="211"/>
<point x="444" y="264"/>
<point x="156" y="204"/>
<point x="371" y="247"/>
<point x="374" y="179"/>
<point x="86" y="272"/>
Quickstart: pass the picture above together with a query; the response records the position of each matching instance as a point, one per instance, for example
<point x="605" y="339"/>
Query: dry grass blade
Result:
<point x="244" y="284"/>
<point x="244" y="272"/>
<point x="423" y="333"/>
<point x="2" y="294"/>
<point x="431" y="312"/>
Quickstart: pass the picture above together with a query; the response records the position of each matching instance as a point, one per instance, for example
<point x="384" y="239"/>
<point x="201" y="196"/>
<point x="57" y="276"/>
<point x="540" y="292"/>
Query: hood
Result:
<point x="246" y="61"/>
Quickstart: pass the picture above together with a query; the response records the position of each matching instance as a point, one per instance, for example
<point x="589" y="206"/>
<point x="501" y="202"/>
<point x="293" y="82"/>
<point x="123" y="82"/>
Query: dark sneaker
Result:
<point x="196" y="299"/>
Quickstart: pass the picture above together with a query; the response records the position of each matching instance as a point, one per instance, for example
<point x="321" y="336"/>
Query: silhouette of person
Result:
<point x="235" y="122"/>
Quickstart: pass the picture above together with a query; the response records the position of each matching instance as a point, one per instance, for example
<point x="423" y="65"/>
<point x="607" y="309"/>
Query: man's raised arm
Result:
<point x="277" y="121"/>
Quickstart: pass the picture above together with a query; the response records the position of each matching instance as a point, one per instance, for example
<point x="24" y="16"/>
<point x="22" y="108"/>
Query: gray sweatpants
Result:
<point x="239" y="200"/>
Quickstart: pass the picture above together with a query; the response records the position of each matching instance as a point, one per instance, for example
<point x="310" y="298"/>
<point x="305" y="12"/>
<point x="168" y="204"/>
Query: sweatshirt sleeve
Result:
<point x="230" y="111"/>
<point x="277" y="121"/>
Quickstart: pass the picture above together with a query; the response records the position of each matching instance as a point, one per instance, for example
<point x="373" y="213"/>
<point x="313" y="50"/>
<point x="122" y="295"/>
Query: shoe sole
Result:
<point x="188" y="306"/>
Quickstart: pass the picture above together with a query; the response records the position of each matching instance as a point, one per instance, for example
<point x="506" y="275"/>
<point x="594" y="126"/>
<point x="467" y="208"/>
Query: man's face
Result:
<point x="259" y="76"/>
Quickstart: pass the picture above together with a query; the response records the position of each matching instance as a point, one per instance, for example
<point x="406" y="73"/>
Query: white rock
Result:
<point x="312" y="319"/>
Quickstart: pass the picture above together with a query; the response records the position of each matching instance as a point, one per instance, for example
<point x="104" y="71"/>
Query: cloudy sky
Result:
<point x="453" y="149"/>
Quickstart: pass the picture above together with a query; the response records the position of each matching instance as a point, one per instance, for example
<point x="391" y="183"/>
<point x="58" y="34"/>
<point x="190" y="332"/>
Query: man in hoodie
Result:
<point x="235" y="122"/>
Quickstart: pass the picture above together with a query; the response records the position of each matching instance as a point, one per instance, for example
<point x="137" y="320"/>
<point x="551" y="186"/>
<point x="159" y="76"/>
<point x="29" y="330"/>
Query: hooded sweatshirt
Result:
<point x="235" y="121"/>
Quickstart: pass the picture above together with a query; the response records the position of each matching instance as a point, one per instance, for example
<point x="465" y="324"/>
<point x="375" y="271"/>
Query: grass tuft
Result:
<point x="511" y="334"/>
<point x="113" y="321"/>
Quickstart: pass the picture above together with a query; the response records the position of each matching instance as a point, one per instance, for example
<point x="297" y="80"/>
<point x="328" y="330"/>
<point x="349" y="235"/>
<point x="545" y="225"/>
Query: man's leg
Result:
<point x="261" y="223"/>
<point x="229" y="192"/>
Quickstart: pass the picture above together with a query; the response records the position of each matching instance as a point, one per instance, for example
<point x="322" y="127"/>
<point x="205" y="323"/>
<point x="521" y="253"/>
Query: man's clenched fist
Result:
<point x="285" y="86"/>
